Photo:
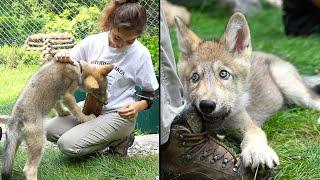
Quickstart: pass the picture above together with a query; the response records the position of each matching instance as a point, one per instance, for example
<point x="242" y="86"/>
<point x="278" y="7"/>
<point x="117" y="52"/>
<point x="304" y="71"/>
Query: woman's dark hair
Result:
<point x="127" y="14"/>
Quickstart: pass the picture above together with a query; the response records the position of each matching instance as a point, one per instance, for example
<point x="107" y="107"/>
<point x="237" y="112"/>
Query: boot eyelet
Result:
<point x="224" y="162"/>
<point x="181" y="137"/>
<point x="205" y="153"/>
<point x="216" y="157"/>
<point x="182" y="143"/>
<point x="235" y="167"/>
<point x="224" y="165"/>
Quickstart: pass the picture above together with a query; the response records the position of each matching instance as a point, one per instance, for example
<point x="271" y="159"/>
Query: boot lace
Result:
<point x="199" y="144"/>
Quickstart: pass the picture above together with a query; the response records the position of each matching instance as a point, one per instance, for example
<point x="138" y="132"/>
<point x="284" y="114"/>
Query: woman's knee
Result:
<point x="51" y="136"/>
<point x="51" y="131"/>
<point x="67" y="145"/>
<point x="54" y="128"/>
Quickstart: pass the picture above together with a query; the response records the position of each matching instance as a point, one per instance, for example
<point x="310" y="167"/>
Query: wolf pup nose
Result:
<point x="207" y="106"/>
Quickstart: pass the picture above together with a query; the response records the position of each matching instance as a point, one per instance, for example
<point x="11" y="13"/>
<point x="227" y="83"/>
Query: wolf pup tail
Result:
<point x="11" y="145"/>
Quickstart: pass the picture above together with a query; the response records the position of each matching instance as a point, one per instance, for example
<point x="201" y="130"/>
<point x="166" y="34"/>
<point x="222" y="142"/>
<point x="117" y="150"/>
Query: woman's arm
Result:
<point x="131" y="110"/>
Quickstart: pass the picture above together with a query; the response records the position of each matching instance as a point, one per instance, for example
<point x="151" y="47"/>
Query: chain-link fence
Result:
<point x="20" y="19"/>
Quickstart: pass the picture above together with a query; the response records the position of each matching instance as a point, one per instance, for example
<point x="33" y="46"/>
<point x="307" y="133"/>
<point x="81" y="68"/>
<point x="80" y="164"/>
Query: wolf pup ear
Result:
<point x="91" y="83"/>
<point x="105" y="69"/>
<point x="237" y="38"/>
<point x="188" y="40"/>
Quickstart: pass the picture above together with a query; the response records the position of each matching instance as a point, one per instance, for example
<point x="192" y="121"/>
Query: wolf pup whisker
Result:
<point x="53" y="82"/>
<point x="225" y="78"/>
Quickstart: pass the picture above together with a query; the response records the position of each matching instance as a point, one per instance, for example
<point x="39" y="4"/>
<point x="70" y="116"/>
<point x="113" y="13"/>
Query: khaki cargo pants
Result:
<point x="77" y="139"/>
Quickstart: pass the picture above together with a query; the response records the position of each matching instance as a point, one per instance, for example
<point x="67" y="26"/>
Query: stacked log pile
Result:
<point x="49" y="44"/>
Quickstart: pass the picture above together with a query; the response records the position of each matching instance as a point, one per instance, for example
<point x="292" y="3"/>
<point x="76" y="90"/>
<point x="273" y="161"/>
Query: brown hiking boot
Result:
<point x="121" y="149"/>
<point x="92" y="105"/>
<point x="199" y="156"/>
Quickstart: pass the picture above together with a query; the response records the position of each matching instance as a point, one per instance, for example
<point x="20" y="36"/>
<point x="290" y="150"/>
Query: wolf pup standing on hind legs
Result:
<point x="54" y="81"/>
<point x="233" y="87"/>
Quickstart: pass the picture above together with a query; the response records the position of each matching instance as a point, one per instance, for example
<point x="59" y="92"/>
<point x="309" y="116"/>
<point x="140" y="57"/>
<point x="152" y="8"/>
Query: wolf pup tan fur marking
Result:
<point x="53" y="81"/>
<point x="234" y="87"/>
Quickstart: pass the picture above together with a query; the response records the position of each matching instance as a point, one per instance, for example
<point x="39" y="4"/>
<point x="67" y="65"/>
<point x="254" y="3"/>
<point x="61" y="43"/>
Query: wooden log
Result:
<point x="60" y="41"/>
<point x="59" y="36"/>
<point x="54" y="51"/>
<point x="46" y="51"/>
<point x="37" y="37"/>
<point x="61" y="46"/>
<point x="43" y="37"/>
<point x="35" y="44"/>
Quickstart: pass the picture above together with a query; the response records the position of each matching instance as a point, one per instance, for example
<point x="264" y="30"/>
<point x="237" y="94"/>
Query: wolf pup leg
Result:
<point x="70" y="102"/>
<point x="12" y="143"/>
<point x="60" y="111"/>
<point x="292" y="85"/>
<point x="34" y="138"/>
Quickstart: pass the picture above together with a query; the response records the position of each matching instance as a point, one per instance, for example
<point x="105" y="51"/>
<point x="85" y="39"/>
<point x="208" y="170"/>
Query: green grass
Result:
<point x="57" y="166"/>
<point x="292" y="133"/>
<point x="12" y="81"/>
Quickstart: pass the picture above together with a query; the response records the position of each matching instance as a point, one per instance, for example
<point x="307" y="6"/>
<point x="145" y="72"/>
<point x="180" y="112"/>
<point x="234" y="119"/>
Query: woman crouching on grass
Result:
<point x="122" y="22"/>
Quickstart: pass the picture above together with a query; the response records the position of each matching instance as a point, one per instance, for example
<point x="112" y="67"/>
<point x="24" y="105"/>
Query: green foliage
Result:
<point x="82" y="24"/>
<point x="12" y="57"/>
<point x="8" y="28"/>
<point x="22" y="18"/>
<point x="152" y="43"/>
<point x="31" y="58"/>
<point x="85" y="23"/>
<point x="57" y="24"/>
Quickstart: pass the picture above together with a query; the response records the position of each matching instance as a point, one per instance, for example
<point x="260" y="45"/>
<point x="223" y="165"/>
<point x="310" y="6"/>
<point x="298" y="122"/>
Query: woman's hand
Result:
<point x="130" y="111"/>
<point x="63" y="57"/>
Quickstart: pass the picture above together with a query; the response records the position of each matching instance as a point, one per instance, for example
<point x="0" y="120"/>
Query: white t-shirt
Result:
<point x="132" y="66"/>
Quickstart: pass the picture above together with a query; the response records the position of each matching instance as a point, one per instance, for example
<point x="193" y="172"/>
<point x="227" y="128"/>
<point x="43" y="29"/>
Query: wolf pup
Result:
<point x="53" y="81"/>
<point x="233" y="87"/>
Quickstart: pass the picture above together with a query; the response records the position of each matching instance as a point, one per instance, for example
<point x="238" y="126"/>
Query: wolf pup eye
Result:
<point x="224" y="74"/>
<point x="195" y="77"/>
<point x="117" y="38"/>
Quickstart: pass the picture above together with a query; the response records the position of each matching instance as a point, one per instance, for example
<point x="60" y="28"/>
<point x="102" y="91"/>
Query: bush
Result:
<point x="31" y="58"/>
<point x="82" y="25"/>
<point x="8" y="28"/>
<point x="12" y="57"/>
<point x="14" y="30"/>
<point x="85" y="23"/>
<point x="57" y="24"/>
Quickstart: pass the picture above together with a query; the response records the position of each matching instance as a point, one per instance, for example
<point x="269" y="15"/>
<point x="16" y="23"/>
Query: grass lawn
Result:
<point x="12" y="81"/>
<point x="56" y="166"/>
<point x="293" y="133"/>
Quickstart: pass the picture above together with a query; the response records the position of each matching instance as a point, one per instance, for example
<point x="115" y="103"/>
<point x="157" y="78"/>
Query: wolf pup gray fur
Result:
<point x="53" y="81"/>
<point x="234" y="87"/>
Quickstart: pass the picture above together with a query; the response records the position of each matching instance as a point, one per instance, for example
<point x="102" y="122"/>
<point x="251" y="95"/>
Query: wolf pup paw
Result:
<point x="86" y="118"/>
<point x="259" y="155"/>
